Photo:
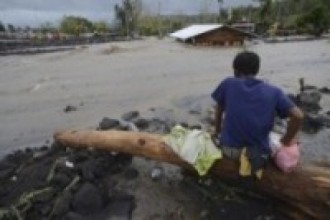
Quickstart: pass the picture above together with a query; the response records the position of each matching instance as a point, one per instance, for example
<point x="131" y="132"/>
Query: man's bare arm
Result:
<point x="218" y="119"/>
<point x="294" y="124"/>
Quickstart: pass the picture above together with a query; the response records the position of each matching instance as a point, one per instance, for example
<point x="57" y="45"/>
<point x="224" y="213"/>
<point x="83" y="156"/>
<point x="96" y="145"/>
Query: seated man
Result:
<point x="246" y="109"/>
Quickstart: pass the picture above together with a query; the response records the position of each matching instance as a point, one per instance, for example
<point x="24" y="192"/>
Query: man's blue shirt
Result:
<point x="250" y="106"/>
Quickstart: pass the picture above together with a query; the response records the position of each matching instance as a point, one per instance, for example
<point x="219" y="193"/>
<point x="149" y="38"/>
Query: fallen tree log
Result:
<point x="305" y="193"/>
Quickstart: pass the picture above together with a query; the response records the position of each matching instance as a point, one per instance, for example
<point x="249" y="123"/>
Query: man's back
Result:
<point x="250" y="106"/>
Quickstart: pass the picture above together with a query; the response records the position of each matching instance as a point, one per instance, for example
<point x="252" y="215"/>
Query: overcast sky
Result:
<point x="36" y="12"/>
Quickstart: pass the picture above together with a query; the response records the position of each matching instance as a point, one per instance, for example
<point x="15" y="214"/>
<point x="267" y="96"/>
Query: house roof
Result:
<point x="195" y="30"/>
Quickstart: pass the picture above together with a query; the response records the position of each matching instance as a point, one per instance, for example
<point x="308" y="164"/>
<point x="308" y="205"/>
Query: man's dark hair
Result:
<point x="246" y="63"/>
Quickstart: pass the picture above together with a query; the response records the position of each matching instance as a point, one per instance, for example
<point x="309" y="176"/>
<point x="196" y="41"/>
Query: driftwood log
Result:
<point x="305" y="193"/>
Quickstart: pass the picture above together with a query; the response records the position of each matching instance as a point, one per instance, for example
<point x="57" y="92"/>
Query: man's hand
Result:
<point x="295" y="120"/>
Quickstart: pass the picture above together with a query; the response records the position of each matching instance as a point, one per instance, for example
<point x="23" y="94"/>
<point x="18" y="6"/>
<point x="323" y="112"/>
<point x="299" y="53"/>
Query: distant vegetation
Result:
<point x="76" y="25"/>
<point x="2" y="27"/>
<point x="272" y="17"/>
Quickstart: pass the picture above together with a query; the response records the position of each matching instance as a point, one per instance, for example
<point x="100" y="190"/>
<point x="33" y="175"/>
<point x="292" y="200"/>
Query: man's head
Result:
<point x="246" y="64"/>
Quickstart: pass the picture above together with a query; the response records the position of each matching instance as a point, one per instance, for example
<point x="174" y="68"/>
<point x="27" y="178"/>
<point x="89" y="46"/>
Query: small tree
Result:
<point x="317" y="18"/>
<point x="2" y="27"/>
<point x="11" y="28"/>
<point x="128" y="14"/>
<point x="265" y="14"/>
<point x="100" y="27"/>
<point x="75" y="25"/>
<point x="46" y="27"/>
<point x="220" y="3"/>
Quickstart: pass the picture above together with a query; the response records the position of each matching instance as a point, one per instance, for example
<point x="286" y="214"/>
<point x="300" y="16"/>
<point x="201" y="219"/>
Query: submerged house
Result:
<point x="212" y="34"/>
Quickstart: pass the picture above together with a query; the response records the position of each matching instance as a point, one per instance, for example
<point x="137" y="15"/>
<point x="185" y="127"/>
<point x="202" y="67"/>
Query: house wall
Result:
<point x="223" y="37"/>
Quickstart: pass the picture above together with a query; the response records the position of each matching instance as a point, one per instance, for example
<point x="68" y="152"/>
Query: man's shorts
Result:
<point x="231" y="153"/>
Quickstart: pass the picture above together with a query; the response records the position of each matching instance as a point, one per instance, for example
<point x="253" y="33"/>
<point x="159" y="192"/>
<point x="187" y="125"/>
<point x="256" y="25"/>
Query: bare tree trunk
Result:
<point x="304" y="194"/>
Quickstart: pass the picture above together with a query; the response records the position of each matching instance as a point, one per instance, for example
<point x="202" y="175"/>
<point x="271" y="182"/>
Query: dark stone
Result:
<point x="87" y="200"/>
<point x="79" y="156"/>
<point x="194" y="112"/>
<point x="159" y="126"/>
<point x="312" y="124"/>
<point x="198" y="127"/>
<point x="130" y="115"/>
<point x="62" y="204"/>
<point x="325" y="90"/>
<point x="73" y="216"/>
<point x="44" y="147"/>
<point x="108" y="123"/>
<point x="142" y="123"/>
<point x="309" y="87"/>
<point x="4" y="174"/>
<point x="208" y="120"/>
<point x="118" y="209"/>
<point x="123" y="159"/>
<point x="28" y="150"/>
<point x="325" y="120"/>
<point x="88" y="169"/>
<point x="45" y="196"/>
<point x="121" y="207"/>
<point x="328" y="113"/>
<point x="184" y="124"/>
<point x="61" y="180"/>
<point x="310" y="108"/>
<point x="131" y="173"/>
<point x="70" y="108"/>
<point x="293" y="98"/>
<point x="45" y="210"/>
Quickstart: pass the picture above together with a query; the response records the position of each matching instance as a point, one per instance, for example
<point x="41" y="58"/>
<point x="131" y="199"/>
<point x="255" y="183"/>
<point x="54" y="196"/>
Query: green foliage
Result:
<point x="2" y="27"/>
<point x="100" y="27"/>
<point x="75" y="25"/>
<point x="149" y="26"/>
<point x="127" y="15"/>
<point x="158" y="26"/>
<point x="47" y="27"/>
<point x="11" y="28"/>
<point x="317" y="19"/>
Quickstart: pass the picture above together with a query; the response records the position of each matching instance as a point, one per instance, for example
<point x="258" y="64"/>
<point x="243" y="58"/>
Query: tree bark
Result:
<point x="304" y="193"/>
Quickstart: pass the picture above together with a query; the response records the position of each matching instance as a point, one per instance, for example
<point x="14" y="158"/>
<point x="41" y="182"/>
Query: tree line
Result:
<point x="304" y="16"/>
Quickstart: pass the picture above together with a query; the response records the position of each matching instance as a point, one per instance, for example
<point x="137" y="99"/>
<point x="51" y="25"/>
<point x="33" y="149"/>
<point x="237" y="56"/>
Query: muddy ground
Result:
<point x="160" y="78"/>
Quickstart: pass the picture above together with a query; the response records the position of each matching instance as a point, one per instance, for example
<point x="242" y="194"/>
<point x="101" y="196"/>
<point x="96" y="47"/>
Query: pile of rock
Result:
<point x="309" y="101"/>
<point x="59" y="183"/>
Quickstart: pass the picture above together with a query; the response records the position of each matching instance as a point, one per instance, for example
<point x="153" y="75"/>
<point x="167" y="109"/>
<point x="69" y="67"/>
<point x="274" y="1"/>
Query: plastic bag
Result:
<point x="286" y="158"/>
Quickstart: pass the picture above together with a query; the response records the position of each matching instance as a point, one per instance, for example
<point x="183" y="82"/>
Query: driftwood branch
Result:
<point x="305" y="192"/>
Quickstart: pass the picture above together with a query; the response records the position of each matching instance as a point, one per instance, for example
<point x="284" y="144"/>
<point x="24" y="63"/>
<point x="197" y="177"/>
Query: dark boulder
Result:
<point x="130" y="115"/>
<point x="87" y="200"/>
<point x="70" y="108"/>
<point x="312" y="124"/>
<point x="62" y="204"/>
<point x="131" y="173"/>
<point x="108" y="123"/>
<point x="141" y="123"/>
<point x="325" y="90"/>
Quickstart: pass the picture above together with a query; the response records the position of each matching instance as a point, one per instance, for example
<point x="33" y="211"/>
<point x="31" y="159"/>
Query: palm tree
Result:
<point x="220" y="3"/>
